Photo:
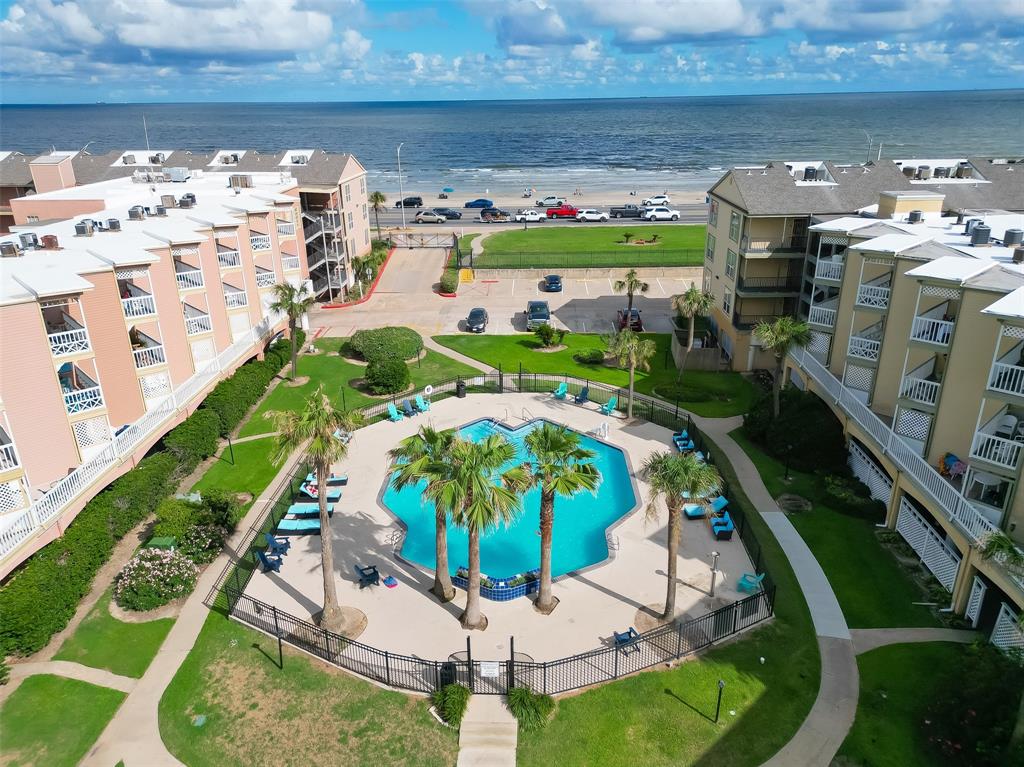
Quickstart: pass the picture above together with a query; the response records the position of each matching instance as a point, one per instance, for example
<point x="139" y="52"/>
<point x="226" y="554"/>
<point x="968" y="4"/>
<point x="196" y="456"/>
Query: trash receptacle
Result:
<point x="448" y="673"/>
<point x="460" y="389"/>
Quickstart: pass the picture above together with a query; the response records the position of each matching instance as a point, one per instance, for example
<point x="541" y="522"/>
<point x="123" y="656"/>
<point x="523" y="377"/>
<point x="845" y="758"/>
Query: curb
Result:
<point x="369" y="293"/>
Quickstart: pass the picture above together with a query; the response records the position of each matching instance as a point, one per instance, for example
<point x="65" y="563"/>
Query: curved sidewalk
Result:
<point x="69" y="670"/>
<point x="831" y="716"/>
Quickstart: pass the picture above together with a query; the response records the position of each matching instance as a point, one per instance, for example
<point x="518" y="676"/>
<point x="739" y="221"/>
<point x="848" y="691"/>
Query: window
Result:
<point x="350" y="221"/>
<point x="734" y="226"/>
<point x="366" y="236"/>
<point x="713" y="213"/>
<point x="352" y="247"/>
<point x="727" y="302"/>
<point x="730" y="264"/>
<point x="362" y="185"/>
<point x="32" y="219"/>
<point x="709" y="253"/>
<point x="364" y="211"/>
<point x="707" y="280"/>
<point x="348" y="193"/>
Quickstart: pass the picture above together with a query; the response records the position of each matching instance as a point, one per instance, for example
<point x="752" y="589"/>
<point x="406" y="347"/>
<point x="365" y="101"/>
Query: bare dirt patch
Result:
<point x="551" y="349"/>
<point x="169" y="610"/>
<point x="296" y="382"/>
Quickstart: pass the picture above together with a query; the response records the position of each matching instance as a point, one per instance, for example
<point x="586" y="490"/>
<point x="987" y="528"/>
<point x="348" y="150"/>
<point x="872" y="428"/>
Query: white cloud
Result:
<point x="354" y="45"/>
<point x="588" y="51"/>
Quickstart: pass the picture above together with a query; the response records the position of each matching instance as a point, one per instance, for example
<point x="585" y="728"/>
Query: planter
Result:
<point x="499" y="591"/>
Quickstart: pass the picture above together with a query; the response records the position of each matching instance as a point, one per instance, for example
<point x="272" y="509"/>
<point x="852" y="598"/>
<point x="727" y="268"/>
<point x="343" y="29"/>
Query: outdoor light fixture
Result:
<point x="714" y="570"/>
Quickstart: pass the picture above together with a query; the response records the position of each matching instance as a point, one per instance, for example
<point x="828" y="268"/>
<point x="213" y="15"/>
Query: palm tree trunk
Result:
<point x="472" y="618"/>
<point x="443" y="588"/>
<point x="777" y="387"/>
<point x="629" y="307"/>
<point x="376" y="215"/>
<point x="673" y="560"/>
<point x="629" y="406"/>
<point x="780" y="364"/>
<point x="331" y="617"/>
<point x="295" y="350"/>
<point x="545" y="601"/>
<point x="689" y="347"/>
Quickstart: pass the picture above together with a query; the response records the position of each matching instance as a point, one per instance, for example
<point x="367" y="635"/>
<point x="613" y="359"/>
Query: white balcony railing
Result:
<point x="819" y="315"/>
<point x="285" y="228"/>
<point x="138" y="306"/>
<point x="190" y="279"/>
<point x="69" y="342"/>
<point x="199" y="324"/>
<point x="80" y="400"/>
<point x="931" y="331"/>
<point x="997" y="450"/>
<point x="828" y="270"/>
<point x="920" y="390"/>
<point x="864" y="348"/>
<point x="149" y="356"/>
<point x="290" y="263"/>
<point x="873" y="296"/>
<point x="236" y="300"/>
<point x="8" y="457"/>
<point x="1008" y="379"/>
<point x="228" y="258"/>
<point x="259" y="241"/>
<point x="266" y="279"/>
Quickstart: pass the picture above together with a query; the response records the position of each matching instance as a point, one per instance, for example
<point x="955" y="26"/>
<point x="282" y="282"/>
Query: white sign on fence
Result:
<point x="490" y="668"/>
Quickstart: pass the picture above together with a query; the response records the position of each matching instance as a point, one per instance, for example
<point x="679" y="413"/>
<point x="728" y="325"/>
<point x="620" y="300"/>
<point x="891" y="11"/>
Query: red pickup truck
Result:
<point x="562" y="211"/>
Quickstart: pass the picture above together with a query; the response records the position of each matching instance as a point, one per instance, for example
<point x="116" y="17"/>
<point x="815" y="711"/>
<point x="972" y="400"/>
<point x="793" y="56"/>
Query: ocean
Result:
<point x="595" y="144"/>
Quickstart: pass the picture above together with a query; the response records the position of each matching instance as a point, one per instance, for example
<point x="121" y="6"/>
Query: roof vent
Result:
<point x="8" y="250"/>
<point x="980" y="234"/>
<point x="1018" y="255"/>
<point x="113" y="225"/>
<point x="28" y="240"/>
<point x="1011" y="237"/>
<point x="49" y="242"/>
<point x="915" y="217"/>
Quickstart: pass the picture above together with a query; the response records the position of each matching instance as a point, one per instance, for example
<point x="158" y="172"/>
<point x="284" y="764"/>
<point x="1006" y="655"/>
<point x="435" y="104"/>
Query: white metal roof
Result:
<point x="1010" y="305"/>
<point x="951" y="268"/>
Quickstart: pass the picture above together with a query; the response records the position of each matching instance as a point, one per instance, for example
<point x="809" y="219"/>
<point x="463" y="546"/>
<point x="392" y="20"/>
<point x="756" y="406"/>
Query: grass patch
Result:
<point x="335" y="373"/>
<point x="709" y="394"/>
<point x="665" y="717"/>
<point x="897" y="685"/>
<point x="872" y="589"/>
<point x="250" y="471"/>
<point x="102" y="641"/>
<point x="54" y="721"/>
<point x="307" y="713"/>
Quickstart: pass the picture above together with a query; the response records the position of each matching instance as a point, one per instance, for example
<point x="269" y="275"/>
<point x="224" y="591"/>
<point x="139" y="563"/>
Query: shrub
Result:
<point x="175" y="517"/>
<point x="221" y="508"/>
<point x="848" y="495"/>
<point x="202" y="543"/>
<point x="548" y="336"/>
<point x="379" y="343"/>
<point x="449" y="283"/>
<point x="589" y="357"/>
<point x="195" y="438"/>
<point x="387" y="376"/>
<point x="451" y="701"/>
<point x="806" y="433"/>
<point x="531" y="709"/>
<point x="152" y="578"/>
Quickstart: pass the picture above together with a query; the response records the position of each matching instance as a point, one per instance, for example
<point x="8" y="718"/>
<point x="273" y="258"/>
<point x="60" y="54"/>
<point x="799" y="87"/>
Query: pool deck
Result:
<point x="409" y="620"/>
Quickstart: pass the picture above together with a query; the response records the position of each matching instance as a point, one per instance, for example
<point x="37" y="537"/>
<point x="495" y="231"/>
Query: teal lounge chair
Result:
<point x="718" y="504"/>
<point x="333" y="494"/>
<point x="694" y="511"/>
<point x="561" y="391"/>
<point x="299" y="526"/>
<point x="421" y="404"/>
<point x="750" y="583"/>
<point x="333" y="479"/>
<point x="393" y="413"/>
<point x="308" y="510"/>
<point x="609" y="407"/>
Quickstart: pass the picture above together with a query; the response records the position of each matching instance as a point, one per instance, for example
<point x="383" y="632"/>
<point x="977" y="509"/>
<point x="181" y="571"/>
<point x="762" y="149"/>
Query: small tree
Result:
<point x="377" y="202"/>
<point x="293" y="301"/>
<point x="631" y="285"/>
<point x="627" y="237"/>
<point x="632" y="351"/>
<point x="693" y="302"/>
<point x="779" y="337"/>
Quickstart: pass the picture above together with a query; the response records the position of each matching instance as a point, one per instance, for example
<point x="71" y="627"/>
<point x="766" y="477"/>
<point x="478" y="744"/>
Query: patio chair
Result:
<point x="1006" y="427"/>
<point x="718" y="504"/>
<point x="278" y="546"/>
<point x="407" y="409"/>
<point x="625" y="641"/>
<point x="583" y="397"/>
<point x="561" y="391"/>
<point x="333" y="479"/>
<point x="609" y="407"/>
<point x="749" y="583"/>
<point x="685" y="446"/>
<point x="421" y="404"/>
<point x="368" y="576"/>
<point x="303" y="526"/>
<point x="308" y="510"/>
<point x="684" y="434"/>
<point x="694" y="511"/>
<point x="393" y="413"/>
<point x="723" y="532"/>
<point x="271" y="563"/>
<point x="311" y="491"/>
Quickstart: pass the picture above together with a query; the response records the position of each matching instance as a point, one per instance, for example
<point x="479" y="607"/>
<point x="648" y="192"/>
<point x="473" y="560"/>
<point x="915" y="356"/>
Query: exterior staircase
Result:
<point x="488" y="734"/>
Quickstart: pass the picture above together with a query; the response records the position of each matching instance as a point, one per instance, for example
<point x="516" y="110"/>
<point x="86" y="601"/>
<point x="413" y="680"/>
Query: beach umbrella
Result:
<point x="447" y="190"/>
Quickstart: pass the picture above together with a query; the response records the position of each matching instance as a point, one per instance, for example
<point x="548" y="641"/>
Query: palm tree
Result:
<point x="1001" y="546"/>
<point x="377" y="202"/>
<point x="633" y="351"/>
<point x="779" y="337"/>
<point x="630" y="286"/>
<point x="312" y="430"/>
<point x="489" y="496"/>
<point x="425" y="456"/>
<point x="691" y="303"/>
<point x="293" y="301"/>
<point x="562" y="467"/>
<point x="670" y="475"/>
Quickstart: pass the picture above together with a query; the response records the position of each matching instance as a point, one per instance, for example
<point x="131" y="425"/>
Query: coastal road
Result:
<point x="392" y="217"/>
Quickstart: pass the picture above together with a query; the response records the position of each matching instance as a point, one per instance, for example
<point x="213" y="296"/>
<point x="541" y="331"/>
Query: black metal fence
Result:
<point x="602" y="664"/>
<point x="625" y="256"/>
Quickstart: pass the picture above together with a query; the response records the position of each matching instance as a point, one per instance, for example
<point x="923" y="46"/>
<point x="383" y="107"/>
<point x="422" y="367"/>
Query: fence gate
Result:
<point x="410" y="240"/>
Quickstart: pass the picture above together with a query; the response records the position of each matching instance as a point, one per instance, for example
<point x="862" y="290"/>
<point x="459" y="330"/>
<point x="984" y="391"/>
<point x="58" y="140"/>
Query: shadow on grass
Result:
<point x="692" y="708"/>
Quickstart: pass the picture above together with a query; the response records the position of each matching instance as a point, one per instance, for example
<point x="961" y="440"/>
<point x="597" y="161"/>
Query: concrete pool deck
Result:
<point x="409" y="620"/>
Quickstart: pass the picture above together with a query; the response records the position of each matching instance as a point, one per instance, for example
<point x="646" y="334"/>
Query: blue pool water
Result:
<point x="580" y="521"/>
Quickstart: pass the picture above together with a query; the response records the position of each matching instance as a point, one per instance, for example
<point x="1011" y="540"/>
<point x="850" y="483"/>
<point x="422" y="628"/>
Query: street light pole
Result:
<point x="718" y="707"/>
<point x="714" y="570"/>
<point x="401" y="190"/>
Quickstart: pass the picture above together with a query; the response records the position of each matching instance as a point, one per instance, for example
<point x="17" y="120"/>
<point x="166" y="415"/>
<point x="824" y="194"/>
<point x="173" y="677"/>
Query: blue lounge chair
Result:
<point x="626" y="641"/>
<point x="278" y="546"/>
<point x="561" y="391"/>
<point x="722" y="530"/>
<point x="368" y="576"/>
<point x="407" y="409"/>
<point x="681" y="435"/>
<point x="333" y="494"/>
<point x="333" y="479"/>
<point x="694" y="511"/>
<point x="421" y="404"/>
<point x="308" y="510"/>
<point x="685" y="446"/>
<point x="271" y="563"/>
<point x="583" y="397"/>
<point x="306" y="525"/>
<point x="393" y="413"/>
<point x="609" y="407"/>
<point x="344" y="436"/>
<point x="750" y="583"/>
<point x="718" y="504"/>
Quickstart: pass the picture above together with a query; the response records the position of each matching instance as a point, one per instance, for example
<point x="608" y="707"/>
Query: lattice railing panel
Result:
<point x="92" y="432"/>
<point x="858" y="377"/>
<point x="155" y="386"/>
<point x="12" y="496"/>
<point x="913" y="423"/>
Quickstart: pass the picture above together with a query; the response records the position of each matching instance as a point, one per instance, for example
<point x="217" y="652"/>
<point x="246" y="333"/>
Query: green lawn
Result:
<point x="664" y="717"/>
<point x="897" y="684"/>
<point x="249" y="471"/>
<point x="335" y="373"/>
<point x="307" y="713"/>
<point x="53" y="721"/>
<point x="541" y="246"/>
<point x="871" y="587"/>
<point x="714" y="395"/>
<point x="102" y="641"/>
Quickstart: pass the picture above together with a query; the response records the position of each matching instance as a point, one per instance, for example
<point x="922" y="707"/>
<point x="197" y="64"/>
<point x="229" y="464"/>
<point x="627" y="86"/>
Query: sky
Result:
<point x="83" y="51"/>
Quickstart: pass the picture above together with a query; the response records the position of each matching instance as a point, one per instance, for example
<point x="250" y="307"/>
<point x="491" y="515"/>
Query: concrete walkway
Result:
<point x="70" y="670"/>
<point x="488" y="734"/>
<point x="865" y="640"/>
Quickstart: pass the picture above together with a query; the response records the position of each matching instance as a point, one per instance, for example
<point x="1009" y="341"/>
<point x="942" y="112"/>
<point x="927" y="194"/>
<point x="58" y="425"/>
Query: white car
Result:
<point x="658" y="199"/>
<point x="429" y="217"/>
<point x="590" y="214"/>
<point x="529" y="214"/>
<point x="661" y="213"/>
<point x="551" y="202"/>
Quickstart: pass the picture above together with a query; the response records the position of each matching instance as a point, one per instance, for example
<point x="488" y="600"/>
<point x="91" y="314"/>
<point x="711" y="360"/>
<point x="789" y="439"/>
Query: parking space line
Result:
<point x="586" y="285"/>
<point x="660" y="286"/>
<point x="611" y="288"/>
<point x="513" y="287"/>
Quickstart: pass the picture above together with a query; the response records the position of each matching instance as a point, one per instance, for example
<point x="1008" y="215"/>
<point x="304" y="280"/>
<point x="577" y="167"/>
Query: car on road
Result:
<point x="552" y="284"/>
<point x="537" y="314"/>
<point x="629" y="210"/>
<point x="630" y="318"/>
<point x="562" y="211"/>
<point x="661" y="213"/>
<point x="529" y="214"/>
<point x="480" y="202"/>
<point x="658" y="199"/>
<point x="429" y="217"/>
<point x="494" y="215"/>
<point x="476" y="322"/>
<point x="550" y="202"/>
<point x="410" y="202"/>
<point x="591" y="214"/>
<point x="448" y="213"/>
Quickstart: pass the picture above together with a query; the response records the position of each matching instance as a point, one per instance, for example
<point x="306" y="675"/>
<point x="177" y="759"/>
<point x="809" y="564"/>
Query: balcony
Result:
<point x="68" y="337"/>
<point x="290" y="263"/>
<point x="8" y="455"/>
<point x="81" y="393"/>
<point x="996" y="441"/>
<point x="920" y="390"/>
<point x="824" y="313"/>
<point x="285" y="228"/>
<point x="796" y="244"/>
<point x="750" y="321"/>
<point x="228" y="258"/>
<point x="784" y="284"/>
<point x="826" y="269"/>
<point x="1006" y="376"/>
<point x="196" y="321"/>
<point x="235" y="298"/>
<point x="931" y="331"/>
<point x="148" y="352"/>
<point x="867" y="344"/>
<point x="873" y="296"/>
<point x="265" y="278"/>
<point x="137" y="302"/>
<point x="189" y="277"/>
<point x="259" y="241"/>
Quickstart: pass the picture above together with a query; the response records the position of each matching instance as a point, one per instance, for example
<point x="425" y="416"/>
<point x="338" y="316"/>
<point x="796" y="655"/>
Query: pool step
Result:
<point x="488" y="734"/>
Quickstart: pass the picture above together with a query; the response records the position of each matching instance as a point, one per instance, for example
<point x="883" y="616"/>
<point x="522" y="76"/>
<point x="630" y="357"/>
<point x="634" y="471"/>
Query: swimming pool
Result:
<point x="580" y="522"/>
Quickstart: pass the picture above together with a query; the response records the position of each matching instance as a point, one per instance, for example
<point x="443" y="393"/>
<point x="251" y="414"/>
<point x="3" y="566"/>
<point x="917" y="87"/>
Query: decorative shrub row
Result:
<point x="154" y="577"/>
<point x="388" y="375"/>
<point x="381" y="343"/>
<point x="806" y="434"/>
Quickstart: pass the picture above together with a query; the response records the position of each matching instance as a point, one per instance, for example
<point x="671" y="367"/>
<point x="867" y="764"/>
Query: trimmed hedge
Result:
<point x="449" y="283"/>
<point x="387" y="376"/>
<point x="195" y="438"/>
<point x="380" y="343"/>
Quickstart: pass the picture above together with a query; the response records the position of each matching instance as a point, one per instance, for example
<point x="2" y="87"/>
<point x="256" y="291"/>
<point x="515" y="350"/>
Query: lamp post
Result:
<point x="401" y="191"/>
<point x="714" y="572"/>
<point x="718" y="707"/>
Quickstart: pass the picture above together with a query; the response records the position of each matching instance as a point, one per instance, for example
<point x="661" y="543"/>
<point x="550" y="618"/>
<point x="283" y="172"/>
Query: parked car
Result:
<point x="529" y="214"/>
<point x="552" y="284"/>
<point x="658" y="199"/>
<point x="630" y="317"/>
<point x="480" y="202"/>
<point x="429" y="217"/>
<point x="476" y="322"/>
<point x="591" y="214"/>
<point x="629" y="210"/>
<point x="494" y="215"/>
<point x="562" y="211"/>
<point x="550" y="202"/>
<point x="410" y="202"/>
<point x="661" y="213"/>
<point x="448" y="213"/>
<point x="537" y="314"/>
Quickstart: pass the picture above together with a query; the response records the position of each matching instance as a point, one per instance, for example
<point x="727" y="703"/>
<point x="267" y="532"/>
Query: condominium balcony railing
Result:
<point x="931" y="331"/>
<point x="290" y="263"/>
<point x="819" y="315"/>
<point x="235" y="300"/>
<point x="920" y="390"/>
<point x="864" y="348"/>
<point x="996" y="450"/>
<point x="198" y="324"/>
<point x="1008" y="379"/>
<point x="285" y="228"/>
<point x="795" y="244"/>
<point x="873" y="296"/>
<point x="190" y="279"/>
<point x="266" y="279"/>
<point x="138" y="306"/>
<point x="828" y="270"/>
<point x="149" y="356"/>
<point x="8" y="457"/>
<point x="785" y="284"/>
<point x="259" y="241"/>
<point x="69" y="342"/>
<point x="748" y="321"/>
<point x="80" y="400"/>
<point x="229" y="258"/>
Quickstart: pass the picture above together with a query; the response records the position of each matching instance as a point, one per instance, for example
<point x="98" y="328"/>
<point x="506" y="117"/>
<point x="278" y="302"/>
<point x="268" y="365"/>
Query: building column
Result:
<point x="892" y="509"/>
<point x="964" y="580"/>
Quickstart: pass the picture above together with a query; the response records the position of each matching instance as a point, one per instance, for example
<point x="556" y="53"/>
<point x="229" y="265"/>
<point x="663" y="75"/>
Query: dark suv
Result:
<point x="537" y="314"/>
<point x="629" y="318"/>
<point x="410" y="202"/>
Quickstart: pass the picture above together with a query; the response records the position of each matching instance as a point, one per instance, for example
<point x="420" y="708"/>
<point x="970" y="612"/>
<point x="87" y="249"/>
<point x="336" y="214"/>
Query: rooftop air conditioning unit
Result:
<point x="924" y="172"/>
<point x="299" y="159"/>
<point x="185" y="202"/>
<point x="808" y="173"/>
<point x="240" y="181"/>
<point x="83" y="229"/>
<point x="971" y="223"/>
<point x="909" y="171"/>
<point x="113" y="225"/>
<point x="915" y="217"/>
<point x="1011" y="238"/>
<point x="8" y="250"/>
<point x="28" y="240"/>
<point x="980" y="234"/>
<point x="177" y="175"/>
<point x="156" y="159"/>
<point x="136" y="213"/>
<point x="49" y="242"/>
<point x="189" y="196"/>
<point x="1018" y="255"/>
<point x="963" y="170"/>
<point x="161" y="210"/>
<point x="167" y="200"/>
<point x="128" y="159"/>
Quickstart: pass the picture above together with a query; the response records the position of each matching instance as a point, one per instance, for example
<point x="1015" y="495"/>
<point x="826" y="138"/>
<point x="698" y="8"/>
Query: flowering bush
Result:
<point x="153" y="578"/>
<point x="201" y="543"/>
